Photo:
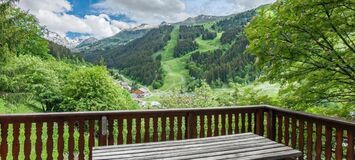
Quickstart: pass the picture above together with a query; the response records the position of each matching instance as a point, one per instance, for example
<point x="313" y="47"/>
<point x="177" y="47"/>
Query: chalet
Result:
<point x="140" y="93"/>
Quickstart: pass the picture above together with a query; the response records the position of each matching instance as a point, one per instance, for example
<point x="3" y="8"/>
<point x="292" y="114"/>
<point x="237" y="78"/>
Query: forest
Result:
<point x="135" y="59"/>
<point x="232" y="65"/>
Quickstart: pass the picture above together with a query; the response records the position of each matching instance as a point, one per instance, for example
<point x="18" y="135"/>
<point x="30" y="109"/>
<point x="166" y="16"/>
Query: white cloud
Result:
<point x="53" y="15"/>
<point x="57" y="6"/>
<point x="146" y="11"/>
<point x="122" y="25"/>
<point x="156" y="11"/>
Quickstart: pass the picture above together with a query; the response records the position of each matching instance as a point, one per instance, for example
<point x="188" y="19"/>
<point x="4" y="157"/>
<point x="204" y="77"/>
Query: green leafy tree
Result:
<point x="204" y="96"/>
<point x="201" y="97"/>
<point x="26" y="74"/>
<point x="91" y="89"/>
<point x="309" y="47"/>
<point x="20" y="32"/>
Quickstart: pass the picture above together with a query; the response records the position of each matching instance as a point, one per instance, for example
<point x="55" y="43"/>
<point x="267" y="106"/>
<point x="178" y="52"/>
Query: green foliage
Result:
<point x="109" y="43"/>
<point x="186" y="40"/>
<point x="202" y="97"/>
<point x="233" y="26"/>
<point x="20" y="33"/>
<point x="59" y="51"/>
<point x="135" y="59"/>
<point x="173" y="68"/>
<point x="157" y="84"/>
<point x="31" y="78"/>
<point x="41" y="78"/>
<point x="220" y="66"/>
<point x="184" y="46"/>
<point x="334" y="110"/>
<point x="91" y="89"/>
<point x="237" y="20"/>
<point x="250" y="95"/>
<point x="209" y="35"/>
<point x="229" y="36"/>
<point x="308" y="46"/>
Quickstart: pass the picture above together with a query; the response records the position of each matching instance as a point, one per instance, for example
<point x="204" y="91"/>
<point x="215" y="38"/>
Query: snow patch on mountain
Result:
<point x="58" y="39"/>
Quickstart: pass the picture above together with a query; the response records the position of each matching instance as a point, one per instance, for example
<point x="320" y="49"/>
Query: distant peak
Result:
<point x="199" y="19"/>
<point x="58" y="39"/>
<point x="141" y="26"/>
<point x="164" y="23"/>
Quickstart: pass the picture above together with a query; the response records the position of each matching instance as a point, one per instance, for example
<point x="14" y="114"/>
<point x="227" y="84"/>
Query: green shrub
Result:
<point x="91" y="89"/>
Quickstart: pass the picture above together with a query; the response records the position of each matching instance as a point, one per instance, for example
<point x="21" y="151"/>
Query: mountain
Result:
<point x="142" y="27"/>
<point x="120" y="38"/>
<point x="59" y="51"/>
<point x="201" y="48"/>
<point x="136" y="58"/>
<point x="199" y="20"/>
<point x="58" y="39"/>
<point x="87" y="41"/>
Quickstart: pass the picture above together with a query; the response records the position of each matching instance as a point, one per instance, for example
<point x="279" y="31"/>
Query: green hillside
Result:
<point x="174" y="68"/>
<point x="120" y="38"/>
<point x="162" y="57"/>
<point x="175" y="72"/>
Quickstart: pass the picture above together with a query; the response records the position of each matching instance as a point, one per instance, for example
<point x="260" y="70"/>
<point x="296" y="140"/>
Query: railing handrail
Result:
<point x="125" y="112"/>
<point x="322" y="119"/>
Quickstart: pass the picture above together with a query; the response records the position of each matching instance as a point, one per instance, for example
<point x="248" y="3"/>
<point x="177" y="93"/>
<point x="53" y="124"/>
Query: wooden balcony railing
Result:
<point x="72" y="135"/>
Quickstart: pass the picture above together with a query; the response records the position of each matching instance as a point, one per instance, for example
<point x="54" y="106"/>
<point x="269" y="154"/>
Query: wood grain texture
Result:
<point x="39" y="140"/>
<point x="239" y="146"/>
<point x="49" y="140"/>
<point x="339" y="144"/>
<point x="27" y="146"/>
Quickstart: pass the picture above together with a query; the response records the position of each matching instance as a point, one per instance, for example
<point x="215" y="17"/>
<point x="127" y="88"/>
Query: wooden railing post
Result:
<point x="103" y="131"/>
<point x="259" y="122"/>
<point x="350" y="149"/>
<point x="339" y="144"/>
<point x="190" y="125"/>
<point x="271" y="122"/>
<point x="4" y="145"/>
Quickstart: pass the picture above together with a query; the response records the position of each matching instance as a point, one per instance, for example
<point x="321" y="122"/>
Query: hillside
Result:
<point x="120" y="38"/>
<point x="175" y="56"/>
<point x="201" y="19"/>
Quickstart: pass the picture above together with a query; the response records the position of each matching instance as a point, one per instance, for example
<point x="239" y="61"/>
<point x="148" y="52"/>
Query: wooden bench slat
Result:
<point x="244" y="135"/>
<point x="239" y="146"/>
<point x="197" y="152"/>
<point x="238" y="154"/>
<point x="272" y="156"/>
<point x="148" y="151"/>
<point x="179" y="143"/>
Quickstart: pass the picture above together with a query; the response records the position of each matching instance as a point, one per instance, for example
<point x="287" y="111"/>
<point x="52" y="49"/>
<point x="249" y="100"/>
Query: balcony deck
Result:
<point x="73" y="135"/>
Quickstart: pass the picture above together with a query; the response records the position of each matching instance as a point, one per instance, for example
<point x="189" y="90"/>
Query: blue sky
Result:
<point x="103" y="18"/>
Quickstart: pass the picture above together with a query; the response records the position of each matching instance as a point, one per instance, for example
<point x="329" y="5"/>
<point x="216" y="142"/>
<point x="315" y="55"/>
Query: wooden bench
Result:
<point x="239" y="146"/>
